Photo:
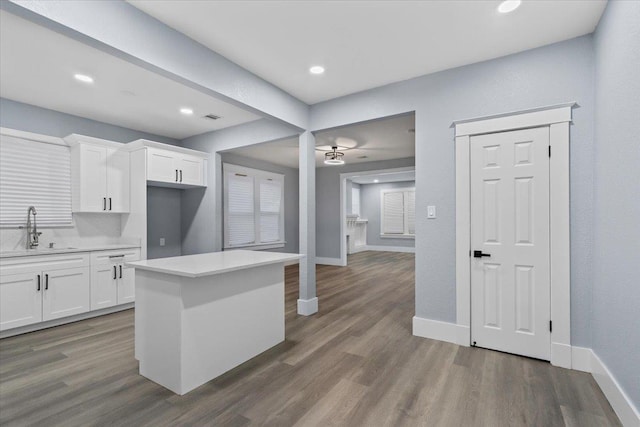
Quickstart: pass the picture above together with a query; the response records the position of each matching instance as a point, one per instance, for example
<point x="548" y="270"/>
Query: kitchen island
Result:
<point x="198" y="316"/>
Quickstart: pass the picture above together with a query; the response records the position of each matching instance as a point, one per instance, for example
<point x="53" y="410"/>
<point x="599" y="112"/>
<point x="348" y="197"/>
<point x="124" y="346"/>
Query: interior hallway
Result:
<point x="355" y="363"/>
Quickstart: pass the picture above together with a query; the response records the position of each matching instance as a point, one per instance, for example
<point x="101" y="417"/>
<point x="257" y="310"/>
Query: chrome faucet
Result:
<point x="32" y="233"/>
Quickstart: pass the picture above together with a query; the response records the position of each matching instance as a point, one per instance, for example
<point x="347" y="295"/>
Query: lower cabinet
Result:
<point x="112" y="282"/>
<point x="46" y="295"/>
<point x="41" y="288"/>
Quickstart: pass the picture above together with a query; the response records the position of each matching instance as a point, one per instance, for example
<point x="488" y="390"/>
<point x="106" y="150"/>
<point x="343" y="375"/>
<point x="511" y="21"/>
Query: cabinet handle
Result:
<point x="115" y="272"/>
<point x="109" y="203"/>
<point x="176" y="175"/>
<point x="121" y="271"/>
<point x="38" y="283"/>
<point x="46" y="282"/>
<point x="104" y="203"/>
<point x="180" y="175"/>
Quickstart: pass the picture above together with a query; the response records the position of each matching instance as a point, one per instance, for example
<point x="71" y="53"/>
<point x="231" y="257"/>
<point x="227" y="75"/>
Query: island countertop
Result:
<point x="213" y="263"/>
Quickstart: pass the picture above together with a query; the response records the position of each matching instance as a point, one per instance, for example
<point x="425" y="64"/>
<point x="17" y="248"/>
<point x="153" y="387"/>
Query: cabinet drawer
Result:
<point x="116" y="255"/>
<point x="37" y="263"/>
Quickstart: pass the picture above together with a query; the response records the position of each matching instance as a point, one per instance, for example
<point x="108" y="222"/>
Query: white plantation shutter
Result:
<point x="411" y="212"/>
<point x="35" y="174"/>
<point x="253" y="207"/>
<point x="355" y="201"/>
<point x="240" y="205"/>
<point x="270" y="201"/>
<point x="393" y="212"/>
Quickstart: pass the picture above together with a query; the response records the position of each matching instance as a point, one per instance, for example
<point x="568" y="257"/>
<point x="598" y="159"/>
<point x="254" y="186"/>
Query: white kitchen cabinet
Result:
<point x="20" y="300"/>
<point x="112" y="282"/>
<point x="99" y="175"/>
<point x="175" y="169"/>
<point x="65" y="293"/>
<point x="38" y="296"/>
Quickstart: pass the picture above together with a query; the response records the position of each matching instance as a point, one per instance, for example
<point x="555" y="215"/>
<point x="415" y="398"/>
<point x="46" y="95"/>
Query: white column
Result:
<point x="307" y="302"/>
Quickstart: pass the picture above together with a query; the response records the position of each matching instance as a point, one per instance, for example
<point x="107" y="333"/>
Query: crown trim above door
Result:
<point x="558" y="119"/>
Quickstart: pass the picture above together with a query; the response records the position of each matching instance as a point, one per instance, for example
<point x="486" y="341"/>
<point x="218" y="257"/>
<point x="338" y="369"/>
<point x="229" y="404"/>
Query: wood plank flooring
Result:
<point x="353" y="364"/>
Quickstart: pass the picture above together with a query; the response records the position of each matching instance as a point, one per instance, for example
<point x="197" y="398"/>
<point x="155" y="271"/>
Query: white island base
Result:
<point x="199" y="316"/>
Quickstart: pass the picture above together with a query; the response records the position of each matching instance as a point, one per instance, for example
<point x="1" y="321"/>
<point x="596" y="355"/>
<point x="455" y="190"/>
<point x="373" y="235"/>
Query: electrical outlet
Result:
<point x="162" y="241"/>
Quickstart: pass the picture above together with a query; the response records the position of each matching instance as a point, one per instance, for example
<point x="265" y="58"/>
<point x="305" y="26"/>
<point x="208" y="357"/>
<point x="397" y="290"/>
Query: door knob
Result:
<point x="479" y="254"/>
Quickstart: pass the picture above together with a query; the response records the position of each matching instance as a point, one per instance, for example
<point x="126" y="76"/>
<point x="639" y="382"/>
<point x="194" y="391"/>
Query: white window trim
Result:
<point x="557" y="118"/>
<point x="406" y="234"/>
<point x="257" y="174"/>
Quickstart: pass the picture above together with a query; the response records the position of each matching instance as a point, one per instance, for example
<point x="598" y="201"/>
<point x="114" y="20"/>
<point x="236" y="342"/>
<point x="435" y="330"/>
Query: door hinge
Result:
<point x="550" y="325"/>
<point x="549" y="151"/>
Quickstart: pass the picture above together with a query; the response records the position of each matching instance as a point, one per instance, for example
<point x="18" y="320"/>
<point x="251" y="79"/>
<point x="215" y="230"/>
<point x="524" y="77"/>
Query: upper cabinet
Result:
<point x="99" y="175"/>
<point x="175" y="167"/>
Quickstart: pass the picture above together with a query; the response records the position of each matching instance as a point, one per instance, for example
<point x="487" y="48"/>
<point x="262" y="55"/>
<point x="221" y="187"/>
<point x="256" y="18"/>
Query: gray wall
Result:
<point x="370" y="209"/>
<point x="548" y="75"/>
<point x="163" y="220"/>
<point x="201" y="209"/>
<point x="29" y="118"/>
<point x="291" y="196"/>
<point x="615" y="327"/>
<point x="328" y="201"/>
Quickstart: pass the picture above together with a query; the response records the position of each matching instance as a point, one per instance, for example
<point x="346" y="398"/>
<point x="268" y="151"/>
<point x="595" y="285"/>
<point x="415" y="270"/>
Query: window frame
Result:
<point x="257" y="175"/>
<point x="405" y="234"/>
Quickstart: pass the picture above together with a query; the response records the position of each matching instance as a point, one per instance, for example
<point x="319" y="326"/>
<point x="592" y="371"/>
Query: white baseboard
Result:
<point x="328" y="261"/>
<point x="581" y="359"/>
<point x="388" y="249"/>
<point x="561" y="355"/>
<point x="65" y="320"/>
<point x="620" y="402"/>
<point x="307" y="307"/>
<point x="441" y="331"/>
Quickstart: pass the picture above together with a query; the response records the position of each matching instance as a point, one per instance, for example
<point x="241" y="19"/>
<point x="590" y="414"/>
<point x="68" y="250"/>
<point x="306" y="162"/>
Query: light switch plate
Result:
<point x="431" y="212"/>
<point x="162" y="241"/>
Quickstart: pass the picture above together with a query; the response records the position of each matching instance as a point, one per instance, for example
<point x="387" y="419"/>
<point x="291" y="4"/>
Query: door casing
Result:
<point x="557" y="118"/>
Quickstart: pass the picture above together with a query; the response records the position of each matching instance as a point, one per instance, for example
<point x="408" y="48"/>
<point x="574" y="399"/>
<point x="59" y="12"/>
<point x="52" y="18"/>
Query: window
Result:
<point x="34" y="173"/>
<point x="398" y="213"/>
<point x="355" y="201"/>
<point x="253" y="208"/>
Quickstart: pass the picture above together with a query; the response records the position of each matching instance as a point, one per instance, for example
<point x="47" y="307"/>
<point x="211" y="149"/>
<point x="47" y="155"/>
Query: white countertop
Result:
<point x="65" y="250"/>
<point x="214" y="262"/>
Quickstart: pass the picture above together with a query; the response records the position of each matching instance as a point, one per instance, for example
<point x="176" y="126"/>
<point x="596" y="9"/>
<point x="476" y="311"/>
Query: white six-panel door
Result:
<point x="510" y="288"/>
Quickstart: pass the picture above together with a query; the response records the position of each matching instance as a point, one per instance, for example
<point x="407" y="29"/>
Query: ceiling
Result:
<point x="383" y="139"/>
<point x="37" y="67"/>
<point x="366" y="44"/>
<point x="385" y="177"/>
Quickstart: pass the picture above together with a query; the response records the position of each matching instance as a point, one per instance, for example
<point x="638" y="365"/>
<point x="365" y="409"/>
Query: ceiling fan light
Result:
<point x="333" y="162"/>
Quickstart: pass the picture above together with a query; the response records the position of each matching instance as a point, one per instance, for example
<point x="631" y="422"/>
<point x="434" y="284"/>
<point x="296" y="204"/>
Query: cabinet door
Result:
<point x="192" y="171"/>
<point x="93" y="178"/>
<point x="118" y="180"/>
<point x="162" y="166"/>
<point x="20" y="300"/>
<point x="104" y="290"/>
<point x="65" y="293"/>
<point x="126" y="284"/>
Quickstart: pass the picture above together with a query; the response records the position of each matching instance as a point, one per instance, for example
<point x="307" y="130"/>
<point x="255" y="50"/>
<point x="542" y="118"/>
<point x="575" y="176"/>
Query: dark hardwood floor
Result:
<point x="355" y="363"/>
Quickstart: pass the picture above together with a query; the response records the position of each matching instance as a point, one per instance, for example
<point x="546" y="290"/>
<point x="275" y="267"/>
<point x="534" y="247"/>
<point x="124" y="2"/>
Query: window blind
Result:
<point x="35" y="174"/>
<point x="240" y="205"/>
<point x="411" y="212"/>
<point x="393" y="213"/>
<point x="355" y="201"/>
<point x="253" y="207"/>
<point x="270" y="201"/>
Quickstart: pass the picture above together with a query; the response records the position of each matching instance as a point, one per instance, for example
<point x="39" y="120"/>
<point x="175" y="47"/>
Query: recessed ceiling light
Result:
<point x="509" y="6"/>
<point x="316" y="69"/>
<point x="186" y="111"/>
<point x="376" y="180"/>
<point x="83" y="78"/>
